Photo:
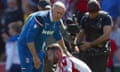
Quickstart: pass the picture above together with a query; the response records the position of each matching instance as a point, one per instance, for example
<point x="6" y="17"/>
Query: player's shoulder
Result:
<point x="39" y="13"/>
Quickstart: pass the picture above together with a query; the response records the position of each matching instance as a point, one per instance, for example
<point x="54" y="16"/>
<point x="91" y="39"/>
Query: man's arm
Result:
<point x="58" y="37"/>
<point x="30" y="36"/>
<point x="107" y="30"/>
<point x="105" y="36"/>
<point x="36" y="59"/>
<point x="31" y="47"/>
<point x="64" y="48"/>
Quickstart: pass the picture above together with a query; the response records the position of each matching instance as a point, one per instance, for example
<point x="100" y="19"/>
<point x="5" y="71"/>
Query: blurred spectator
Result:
<point x="27" y="11"/>
<point x="19" y="4"/>
<point x="112" y="7"/>
<point x="80" y="7"/>
<point x="110" y="66"/>
<point x="4" y="2"/>
<point x="115" y="35"/>
<point x="1" y="41"/>
<point x="11" y="14"/>
<point x="1" y="7"/>
<point x="12" y="60"/>
<point x="44" y="5"/>
<point x="34" y="3"/>
<point x="27" y="8"/>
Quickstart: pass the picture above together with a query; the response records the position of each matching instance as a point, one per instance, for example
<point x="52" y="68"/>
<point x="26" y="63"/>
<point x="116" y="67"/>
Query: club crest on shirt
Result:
<point x="35" y="26"/>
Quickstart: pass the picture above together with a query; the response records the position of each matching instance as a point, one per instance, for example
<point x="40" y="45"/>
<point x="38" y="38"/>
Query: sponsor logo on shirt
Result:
<point x="47" y="32"/>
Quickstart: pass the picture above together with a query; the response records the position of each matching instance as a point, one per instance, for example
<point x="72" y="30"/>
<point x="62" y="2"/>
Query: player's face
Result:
<point x="58" y="12"/>
<point x="52" y="57"/>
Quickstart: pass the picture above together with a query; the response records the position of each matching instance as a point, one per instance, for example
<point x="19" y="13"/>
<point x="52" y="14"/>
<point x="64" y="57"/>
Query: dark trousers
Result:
<point x="15" y="68"/>
<point x="97" y="63"/>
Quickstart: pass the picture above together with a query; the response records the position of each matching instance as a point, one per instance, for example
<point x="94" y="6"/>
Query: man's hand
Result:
<point x="37" y="62"/>
<point x="85" y="45"/>
<point x="77" y="49"/>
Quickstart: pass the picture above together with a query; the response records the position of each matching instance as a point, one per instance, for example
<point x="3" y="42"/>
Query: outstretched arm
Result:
<point x="62" y="44"/>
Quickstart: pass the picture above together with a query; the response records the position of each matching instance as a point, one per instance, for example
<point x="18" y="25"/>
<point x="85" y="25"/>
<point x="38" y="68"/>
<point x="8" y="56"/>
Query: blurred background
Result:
<point x="17" y="11"/>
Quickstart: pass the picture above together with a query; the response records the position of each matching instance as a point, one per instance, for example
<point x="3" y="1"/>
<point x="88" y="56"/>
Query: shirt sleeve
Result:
<point x="107" y="20"/>
<point x="33" y="30"/>
<point x="82" y="22"/>
<point x="57" y="34"/>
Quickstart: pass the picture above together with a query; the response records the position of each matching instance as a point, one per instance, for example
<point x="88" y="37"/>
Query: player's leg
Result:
<point x="25" y="59"/>
<point x="41" y="56"/>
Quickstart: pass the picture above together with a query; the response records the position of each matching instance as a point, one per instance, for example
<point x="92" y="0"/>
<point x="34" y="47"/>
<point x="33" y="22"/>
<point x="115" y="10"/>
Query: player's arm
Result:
<point x="62" y="44"/>
<point x="58" y="37"/>
<point x="36" y="59"/>
<point x="30" y="36"/>
<point x="35" y="25"/>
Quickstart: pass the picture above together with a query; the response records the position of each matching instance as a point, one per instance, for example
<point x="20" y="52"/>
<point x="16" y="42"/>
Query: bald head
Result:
<point x="59" y="4"/>
<point x="58" y="10"/>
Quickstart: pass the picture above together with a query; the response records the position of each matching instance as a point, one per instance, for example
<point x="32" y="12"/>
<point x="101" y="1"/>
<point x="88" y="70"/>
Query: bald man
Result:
<point x="31" y="43"/>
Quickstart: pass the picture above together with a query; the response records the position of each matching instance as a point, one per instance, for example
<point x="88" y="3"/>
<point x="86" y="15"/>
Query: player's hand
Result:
<point x="37" y="62"/>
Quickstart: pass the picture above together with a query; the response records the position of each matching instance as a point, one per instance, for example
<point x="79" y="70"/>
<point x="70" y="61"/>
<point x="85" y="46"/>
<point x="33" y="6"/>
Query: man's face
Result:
<point x="52" y="57"/>
<point x="58" y="12"/>
<point x="94" y="14"/>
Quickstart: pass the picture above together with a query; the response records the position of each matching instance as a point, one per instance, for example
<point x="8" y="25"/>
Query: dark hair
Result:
<point x="93" y="6"/>
<point x="43" y="3"/>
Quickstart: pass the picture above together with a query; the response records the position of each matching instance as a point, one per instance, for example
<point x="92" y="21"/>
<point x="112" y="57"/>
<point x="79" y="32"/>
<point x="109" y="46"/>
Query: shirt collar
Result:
<point x="51" y="17"/>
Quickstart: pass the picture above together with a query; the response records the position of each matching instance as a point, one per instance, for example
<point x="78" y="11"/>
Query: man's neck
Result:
<point x="94" y="15"/>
